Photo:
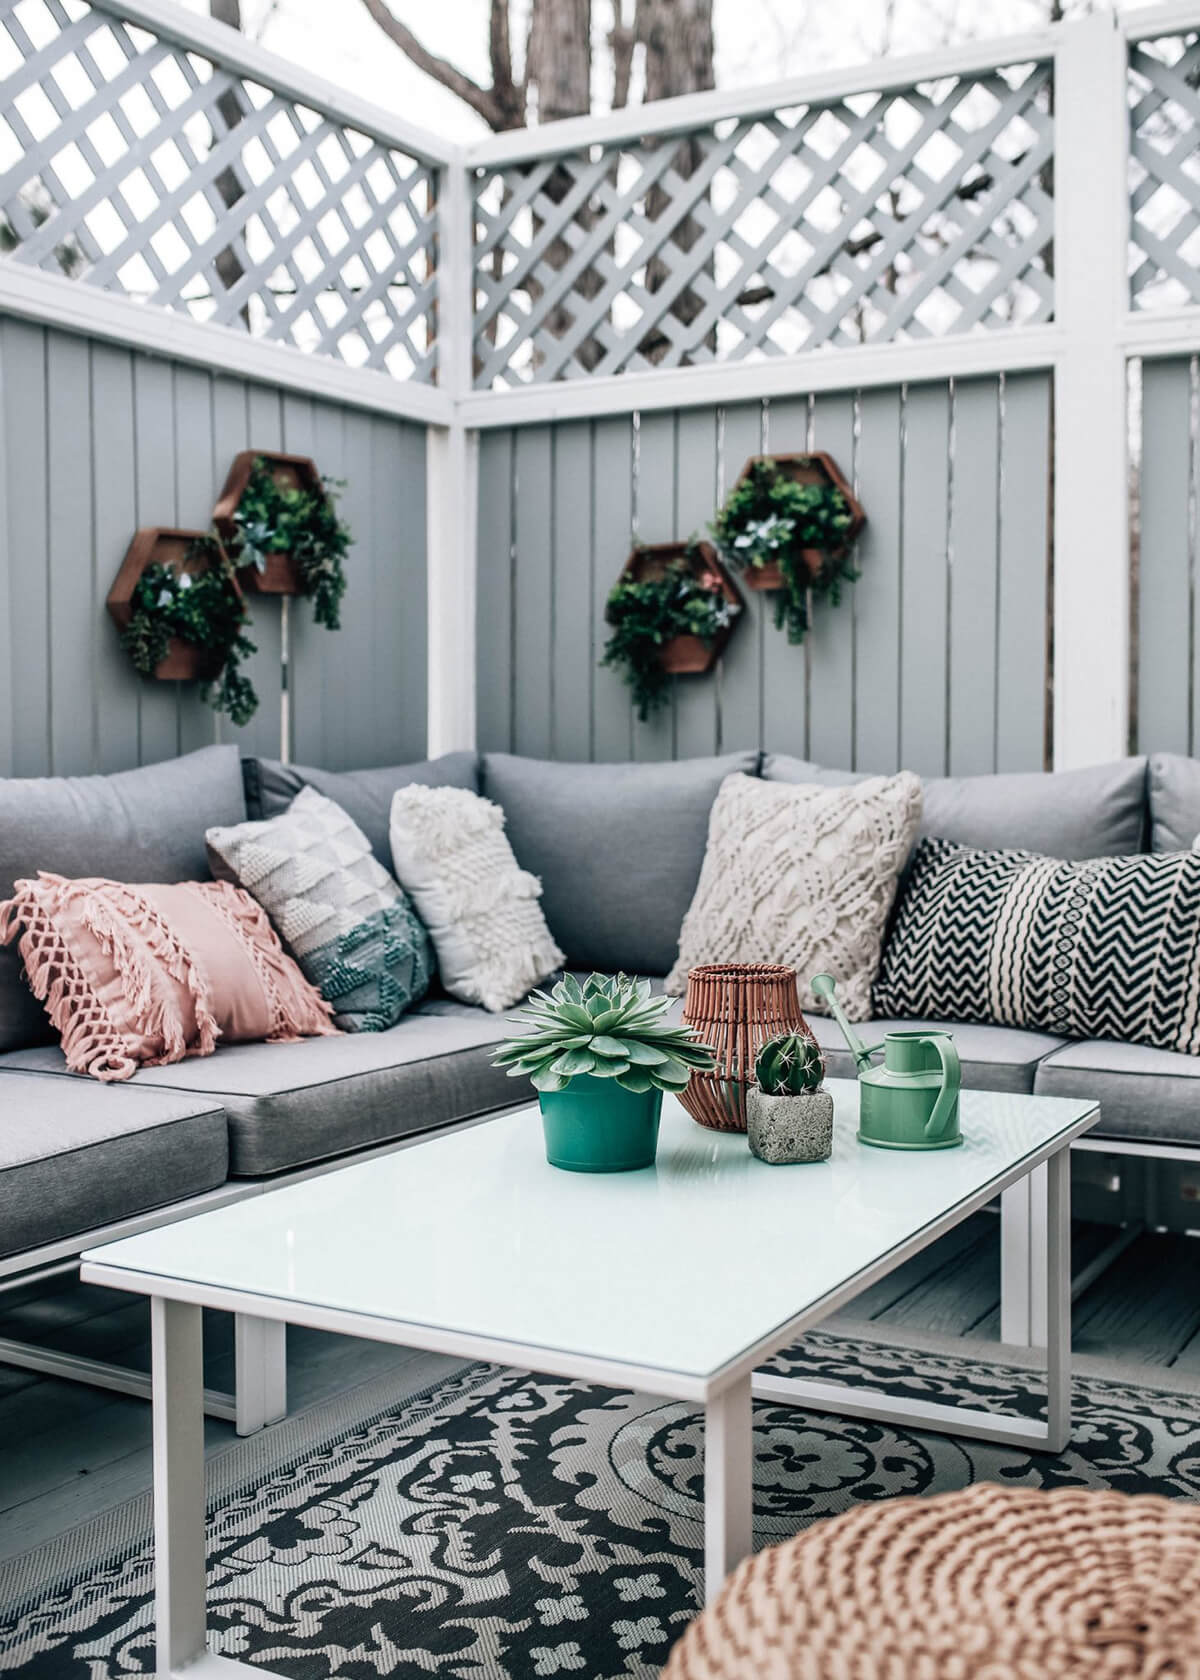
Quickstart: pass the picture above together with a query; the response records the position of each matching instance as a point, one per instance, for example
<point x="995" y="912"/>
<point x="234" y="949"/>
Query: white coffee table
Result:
<point x="676" y="1281"/>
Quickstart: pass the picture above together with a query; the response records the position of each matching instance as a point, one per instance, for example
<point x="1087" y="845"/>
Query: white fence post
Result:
<point x="1091" y="540"/>
<point x="452" y="477"/>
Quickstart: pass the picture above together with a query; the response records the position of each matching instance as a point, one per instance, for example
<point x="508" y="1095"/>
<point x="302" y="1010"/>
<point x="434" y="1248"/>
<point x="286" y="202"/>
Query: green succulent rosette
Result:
<point x="610" y="1027"/>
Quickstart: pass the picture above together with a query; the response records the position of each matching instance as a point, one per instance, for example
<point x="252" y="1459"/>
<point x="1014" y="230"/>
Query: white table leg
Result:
<point x="728" y="1484"/>
<point x="1023" y="1261"/>
<point x="1046" y="1255"/>
<point x="1056" y="1270"/>
<point x="260" y="1367"/>
<point x="178" y="1410"/>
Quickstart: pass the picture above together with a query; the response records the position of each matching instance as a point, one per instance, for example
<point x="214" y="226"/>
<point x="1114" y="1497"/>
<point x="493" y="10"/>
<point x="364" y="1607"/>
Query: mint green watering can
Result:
<point x="911" y="1102"/>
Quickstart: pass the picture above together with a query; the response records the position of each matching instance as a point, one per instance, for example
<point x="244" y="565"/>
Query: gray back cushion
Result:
<point x="365" y="795"/>
<point x="1173" y="787"/>
<point x="1097" y="812"/>
<point x="136" y="825"/>
<point x="618" y="849"/>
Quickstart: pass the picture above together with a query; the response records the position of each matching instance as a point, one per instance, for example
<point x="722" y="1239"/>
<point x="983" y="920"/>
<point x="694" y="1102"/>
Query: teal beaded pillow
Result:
<point x="352" y="930"/>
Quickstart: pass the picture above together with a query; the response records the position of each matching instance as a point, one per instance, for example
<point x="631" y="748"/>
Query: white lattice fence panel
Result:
<point x="140" y="167"/>
<point x="885" y="216"/>
<point x="1164" y="96"/>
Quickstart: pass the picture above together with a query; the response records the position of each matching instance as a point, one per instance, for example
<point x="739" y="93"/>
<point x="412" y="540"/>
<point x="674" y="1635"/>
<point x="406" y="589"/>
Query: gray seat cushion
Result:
<point x="993" y="1058"/>
<point x="1097" y="812"/>
<point x="291" y="1104"/>
<point x="75" y="1155"/>
<point x="618" y="849"/>
<point x="1145" y="1095"/>
<point x="366" y="795"/>
<point x="1173" y="790"/>
<point x="136" y="825"/>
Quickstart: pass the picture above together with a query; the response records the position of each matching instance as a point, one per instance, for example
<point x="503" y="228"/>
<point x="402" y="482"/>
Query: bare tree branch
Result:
<point x="480" y="99"/>
<point x="265" y="19"/>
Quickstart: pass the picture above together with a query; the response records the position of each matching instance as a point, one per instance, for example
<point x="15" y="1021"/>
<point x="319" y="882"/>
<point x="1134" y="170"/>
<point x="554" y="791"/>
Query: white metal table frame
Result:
<point x="726" y="1394"/>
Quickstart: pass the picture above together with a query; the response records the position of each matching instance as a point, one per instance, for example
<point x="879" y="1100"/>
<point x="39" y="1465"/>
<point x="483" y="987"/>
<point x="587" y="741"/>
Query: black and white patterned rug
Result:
<point x="503" y="1525"/>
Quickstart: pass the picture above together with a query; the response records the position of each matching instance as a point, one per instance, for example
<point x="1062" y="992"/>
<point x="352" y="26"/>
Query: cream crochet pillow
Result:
<point x="801" y="875"/>
<point x="452" y="857"/>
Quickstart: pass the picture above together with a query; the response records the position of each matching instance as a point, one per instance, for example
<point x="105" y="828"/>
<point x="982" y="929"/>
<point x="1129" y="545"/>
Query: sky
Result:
<point x="757" y="41"/>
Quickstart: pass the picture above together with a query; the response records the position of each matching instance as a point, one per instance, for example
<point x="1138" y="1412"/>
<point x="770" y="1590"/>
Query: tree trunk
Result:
<point x="677" y="36"/>
<point x="558" y="69"/>
<point x="558" y="63"/>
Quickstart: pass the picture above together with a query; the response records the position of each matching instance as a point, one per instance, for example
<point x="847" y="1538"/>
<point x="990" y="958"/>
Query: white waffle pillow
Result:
<point x="452" y="856"/>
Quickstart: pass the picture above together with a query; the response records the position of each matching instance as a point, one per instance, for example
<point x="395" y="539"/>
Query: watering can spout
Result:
<point x="824" y="986"/>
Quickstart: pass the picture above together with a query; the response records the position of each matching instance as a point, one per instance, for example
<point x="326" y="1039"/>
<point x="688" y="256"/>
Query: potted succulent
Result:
<point x="600" y="1055"/>
<point x="279" y="518"/>
<point x="789" y="1117"/>
<point x="788" y="525"/>
<point x="183" y="617"/>
<point x="672" y="611"/>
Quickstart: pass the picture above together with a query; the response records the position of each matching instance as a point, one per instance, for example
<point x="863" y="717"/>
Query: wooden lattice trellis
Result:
<point x="137" y="166"/>
<point x="1164" y="94"/>
<point x="878" y="217"/>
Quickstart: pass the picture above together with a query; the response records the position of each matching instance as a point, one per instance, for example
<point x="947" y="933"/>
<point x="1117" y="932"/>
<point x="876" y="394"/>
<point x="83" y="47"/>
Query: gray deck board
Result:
<point x="1150" y="1311"/>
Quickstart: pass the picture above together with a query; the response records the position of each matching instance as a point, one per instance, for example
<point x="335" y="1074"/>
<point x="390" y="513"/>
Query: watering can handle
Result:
<point x="951" y="1080"/>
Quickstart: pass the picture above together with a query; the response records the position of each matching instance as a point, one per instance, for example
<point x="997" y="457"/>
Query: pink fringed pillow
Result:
<point x="138" y="976"/>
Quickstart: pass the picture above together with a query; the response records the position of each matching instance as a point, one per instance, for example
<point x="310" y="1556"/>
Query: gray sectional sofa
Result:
<point x="618" y="848"/>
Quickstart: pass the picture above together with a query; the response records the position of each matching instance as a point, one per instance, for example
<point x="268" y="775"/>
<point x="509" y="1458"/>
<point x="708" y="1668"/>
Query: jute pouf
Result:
<point x="993" y="1583"/>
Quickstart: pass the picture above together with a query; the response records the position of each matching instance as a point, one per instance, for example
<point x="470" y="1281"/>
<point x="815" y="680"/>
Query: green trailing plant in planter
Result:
<point x="600" y="1055"/>
<point x="301" y="522"/>
<point x="789" y="1117"/>
<point x="652" y="613"/>
<point x="204" y="609"/>
<point x="791" y="537"/>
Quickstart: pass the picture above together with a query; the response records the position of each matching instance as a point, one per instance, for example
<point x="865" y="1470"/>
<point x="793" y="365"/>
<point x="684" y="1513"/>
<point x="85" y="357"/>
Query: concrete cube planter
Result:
<point x="789" y="1128"/>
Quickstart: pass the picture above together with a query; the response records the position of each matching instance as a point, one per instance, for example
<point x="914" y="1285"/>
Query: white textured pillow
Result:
<point x="803" y="875"/>
<point x="452" y="856"/>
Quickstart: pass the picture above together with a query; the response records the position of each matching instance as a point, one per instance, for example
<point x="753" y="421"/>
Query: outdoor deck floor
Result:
<point x="69" y="1452"/>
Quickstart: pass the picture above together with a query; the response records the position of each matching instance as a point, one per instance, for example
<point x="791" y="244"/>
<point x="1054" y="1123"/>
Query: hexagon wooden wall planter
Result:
<point x="687" y="655"/>
<point x="290" y="472"/>
<point x="183" y="551"/>
<point x="813" y="468"/>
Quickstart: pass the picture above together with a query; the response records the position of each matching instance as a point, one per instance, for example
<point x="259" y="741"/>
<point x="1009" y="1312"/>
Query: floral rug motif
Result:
<point x="505" y="1526"/>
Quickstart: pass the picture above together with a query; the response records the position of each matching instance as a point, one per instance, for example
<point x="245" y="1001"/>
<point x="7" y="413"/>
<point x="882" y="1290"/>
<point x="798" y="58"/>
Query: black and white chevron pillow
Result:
<point x="1108" y="948"/>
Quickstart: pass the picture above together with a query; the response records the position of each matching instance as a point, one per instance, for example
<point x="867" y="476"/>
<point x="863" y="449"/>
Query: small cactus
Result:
<point x="788" y="1065"/>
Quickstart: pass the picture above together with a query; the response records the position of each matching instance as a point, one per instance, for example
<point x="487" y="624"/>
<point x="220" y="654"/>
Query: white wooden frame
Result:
<point x="196" y="32"/>
<point x="697" y="110"/>
<point x="33" y="294"/>
<point x="1086" y="347"/>
<point x="176" y="1306"/>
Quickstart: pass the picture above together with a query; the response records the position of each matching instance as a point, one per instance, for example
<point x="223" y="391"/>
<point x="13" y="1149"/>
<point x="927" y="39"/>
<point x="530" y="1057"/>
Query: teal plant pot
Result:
<point x="597" y="1126"/>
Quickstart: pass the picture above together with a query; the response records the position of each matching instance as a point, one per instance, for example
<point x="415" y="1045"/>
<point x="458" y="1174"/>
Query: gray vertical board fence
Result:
<point x="98" y="440"/>
<point x="1166" y="603"/>
<point x="936" y="658"/>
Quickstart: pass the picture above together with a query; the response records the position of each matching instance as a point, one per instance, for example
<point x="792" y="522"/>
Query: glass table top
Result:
<point x="679" y="1268"/>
